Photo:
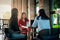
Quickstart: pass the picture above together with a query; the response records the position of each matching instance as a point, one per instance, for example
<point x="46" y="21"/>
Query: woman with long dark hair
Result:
<point x="42" y="21"/>
<point x="15" y="32"/>
<point x="43" y="24"/>
<point x="43" y="15"/>
<point x="24" y="23"/>
<point x="14" y="20"/>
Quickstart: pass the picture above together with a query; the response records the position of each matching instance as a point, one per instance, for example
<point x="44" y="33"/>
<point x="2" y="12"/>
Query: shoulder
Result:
<point x="38" y="17"/>
<point x="20" y="20"/>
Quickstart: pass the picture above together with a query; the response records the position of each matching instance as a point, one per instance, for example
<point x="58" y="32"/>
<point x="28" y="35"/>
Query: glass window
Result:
<point x="5" y="11"/>
<point x="56" y="15"/>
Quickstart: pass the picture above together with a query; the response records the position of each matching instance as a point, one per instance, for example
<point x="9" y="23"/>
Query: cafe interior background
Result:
<point x="31" y="7"/>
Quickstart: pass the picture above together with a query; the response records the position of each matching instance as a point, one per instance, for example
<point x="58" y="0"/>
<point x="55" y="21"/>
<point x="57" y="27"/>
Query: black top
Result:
<point x="14" y="25"/>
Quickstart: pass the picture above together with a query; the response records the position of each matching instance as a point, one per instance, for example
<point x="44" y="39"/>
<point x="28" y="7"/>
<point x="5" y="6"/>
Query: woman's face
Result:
<point x="24" y="16"/>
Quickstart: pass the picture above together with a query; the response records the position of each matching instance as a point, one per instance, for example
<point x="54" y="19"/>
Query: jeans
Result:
<point x="46" y="35"/>
<point x="14" y="35"/>
<point x="17" y="36"/>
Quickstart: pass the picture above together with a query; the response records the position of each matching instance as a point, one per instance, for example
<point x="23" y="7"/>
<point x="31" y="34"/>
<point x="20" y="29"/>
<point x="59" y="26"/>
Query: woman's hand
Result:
<point x="24" y="26"/>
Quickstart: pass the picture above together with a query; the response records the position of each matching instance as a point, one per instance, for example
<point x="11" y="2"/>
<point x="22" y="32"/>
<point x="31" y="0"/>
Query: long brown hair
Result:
<point x="26" y="19"/>
<point x="14" y="20"/>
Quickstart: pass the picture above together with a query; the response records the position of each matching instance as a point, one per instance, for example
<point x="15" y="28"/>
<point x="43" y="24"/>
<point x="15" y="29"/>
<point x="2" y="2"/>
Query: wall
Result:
<point x="31" y="9"/>
<point x="45" y="5"/>
<point x="21" y="5"/>
<point x="17" y="4"/>
<point x="26" y="6"/>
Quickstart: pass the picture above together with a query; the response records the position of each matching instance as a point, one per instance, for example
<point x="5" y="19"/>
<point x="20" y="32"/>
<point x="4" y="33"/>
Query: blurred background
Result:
<point x="31" y="8"/>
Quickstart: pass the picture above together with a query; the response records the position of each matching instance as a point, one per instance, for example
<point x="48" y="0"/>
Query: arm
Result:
<point x="23" y="26"/>
<point x="35" y="23"/>
<point x="19" y="23"/>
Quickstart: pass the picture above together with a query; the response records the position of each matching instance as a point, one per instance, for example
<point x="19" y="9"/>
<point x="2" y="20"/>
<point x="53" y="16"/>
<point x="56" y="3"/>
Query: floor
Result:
<point x="1" y="35"/>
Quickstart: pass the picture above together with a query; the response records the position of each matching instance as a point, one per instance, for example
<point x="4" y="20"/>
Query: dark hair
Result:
<point x="14" y="20"/>
<point x="42" y="14"/>
<point x="26" y="19"/>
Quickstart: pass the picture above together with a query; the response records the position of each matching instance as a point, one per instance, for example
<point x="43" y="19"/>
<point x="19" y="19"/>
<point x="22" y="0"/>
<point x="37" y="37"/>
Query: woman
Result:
<point x="24" y="23"/>
<point x="15" y="32"/>
<point x="43" y="24"/>
<point x="42" y="21"/>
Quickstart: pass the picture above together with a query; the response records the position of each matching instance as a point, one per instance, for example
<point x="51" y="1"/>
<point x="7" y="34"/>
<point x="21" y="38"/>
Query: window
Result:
<point x="5" y="9"/>
<point x="56" y="16"/>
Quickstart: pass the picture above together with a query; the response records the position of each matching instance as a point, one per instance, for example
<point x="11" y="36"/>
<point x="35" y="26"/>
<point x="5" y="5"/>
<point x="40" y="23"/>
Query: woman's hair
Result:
<point x="14" y="14"/>
<point x="14" y="20"/>
<point x="26" y="19"/>
<point x="42" y="14"/>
